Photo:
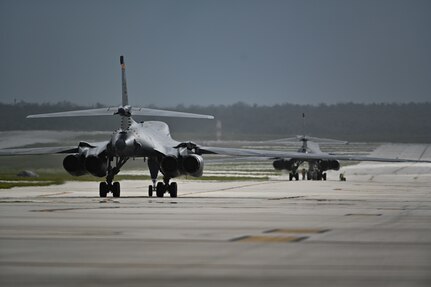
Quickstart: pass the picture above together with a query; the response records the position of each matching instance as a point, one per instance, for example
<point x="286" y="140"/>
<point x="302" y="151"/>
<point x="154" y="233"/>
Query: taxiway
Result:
<point x="372" y="230"/>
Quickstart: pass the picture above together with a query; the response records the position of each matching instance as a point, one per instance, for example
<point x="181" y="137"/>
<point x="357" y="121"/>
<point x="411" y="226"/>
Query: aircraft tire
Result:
<point x="116" y="189"/>
<point x="150" y="191"/>
<point x="324" y="176"/>
<point x="103" y="189"/>
<point x="297" y="176"/>
<point x="160" y="189"/>
<point x="173" y="188"/>
<point x="290" y="176"/>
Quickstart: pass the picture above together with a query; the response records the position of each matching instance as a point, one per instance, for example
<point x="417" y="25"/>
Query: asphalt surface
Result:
<point x="372" y="230"/>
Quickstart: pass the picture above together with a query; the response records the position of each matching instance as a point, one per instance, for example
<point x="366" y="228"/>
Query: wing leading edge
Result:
<point x="97" y="148"/>
<point x="38" y="151"/>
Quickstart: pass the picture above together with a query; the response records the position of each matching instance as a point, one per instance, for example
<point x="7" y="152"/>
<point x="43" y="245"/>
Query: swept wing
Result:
<point x="38" y="150"/>
<point x="298" y="155"/>
<point x="96" y="148"/>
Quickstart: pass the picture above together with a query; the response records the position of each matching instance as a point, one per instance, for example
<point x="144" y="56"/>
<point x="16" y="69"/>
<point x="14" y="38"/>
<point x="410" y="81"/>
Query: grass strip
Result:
<point x="8" y="180"/>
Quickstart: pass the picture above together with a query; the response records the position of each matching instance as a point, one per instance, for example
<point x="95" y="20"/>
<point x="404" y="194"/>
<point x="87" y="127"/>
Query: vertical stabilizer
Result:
<point x="125" y="97"/>
<point x="303" y="124"/>
<point x="124" y="111"/>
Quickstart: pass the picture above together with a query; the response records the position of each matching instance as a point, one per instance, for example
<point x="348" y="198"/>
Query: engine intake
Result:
<point x="172" y="166"/>
<point x="74" y="165"/>
<point x="330" y="165"/>
<point x="97" y="166"/>
<point x="281" y="164"/>
<point x="169" y="166"/>
<point x="193" y="165"/>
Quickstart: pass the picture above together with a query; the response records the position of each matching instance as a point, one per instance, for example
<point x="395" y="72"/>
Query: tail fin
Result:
<point x="125" y="97"/>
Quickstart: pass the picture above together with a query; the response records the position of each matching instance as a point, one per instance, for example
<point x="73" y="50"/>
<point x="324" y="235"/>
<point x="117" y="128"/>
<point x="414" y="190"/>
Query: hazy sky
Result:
<point x="216" y="52"/>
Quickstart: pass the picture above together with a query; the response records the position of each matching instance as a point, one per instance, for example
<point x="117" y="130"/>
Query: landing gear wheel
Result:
<point x="150" y="191"/>
<point x="160" y="189"/>
<point x="297" y="176"/>
<point x="116" y="189"/>
<point x="324" y="176"/>
<point x="290" y="177"/>
<point x="103" y="189"/>
<point x="173" y="189"/>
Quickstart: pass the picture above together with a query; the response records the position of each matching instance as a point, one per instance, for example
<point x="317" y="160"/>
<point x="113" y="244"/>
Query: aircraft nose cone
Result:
<point x="120" y="144"/>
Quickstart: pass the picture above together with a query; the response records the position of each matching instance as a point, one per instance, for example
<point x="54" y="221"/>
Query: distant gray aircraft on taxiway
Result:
<point x="316" y="167"/>
<point x="150" y="140"/>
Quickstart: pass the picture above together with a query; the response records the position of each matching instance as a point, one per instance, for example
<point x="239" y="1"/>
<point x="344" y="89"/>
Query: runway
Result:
<point x="373" y="230"/>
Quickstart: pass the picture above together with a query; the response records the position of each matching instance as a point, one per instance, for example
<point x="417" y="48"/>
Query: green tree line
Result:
<point x="408" y="122"/>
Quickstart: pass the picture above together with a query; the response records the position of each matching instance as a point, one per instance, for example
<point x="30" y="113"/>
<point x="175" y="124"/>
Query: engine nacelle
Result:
<point x="278" y="164"/>
<point x="169" y="166"/>
<point x="172" y="166"/>
<point x="97" y="166"/>
<point x="330" y="165"/>
<point x="74" y="165"/>
<point x="193" y="165"/>
<point x="281" y="164"/>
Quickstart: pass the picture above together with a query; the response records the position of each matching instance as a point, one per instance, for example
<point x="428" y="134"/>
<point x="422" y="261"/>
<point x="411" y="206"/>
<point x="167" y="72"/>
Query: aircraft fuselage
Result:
<point x="144" y="139"/>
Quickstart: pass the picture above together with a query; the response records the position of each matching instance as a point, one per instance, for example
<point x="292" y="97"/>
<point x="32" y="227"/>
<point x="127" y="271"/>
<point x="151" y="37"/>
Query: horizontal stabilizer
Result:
<point x="81" y="113"/>
<point x="120" y="110"/>
<point x="307" y="138"/>
<point x="164" y="113"/>
<point x="323" y="140"/>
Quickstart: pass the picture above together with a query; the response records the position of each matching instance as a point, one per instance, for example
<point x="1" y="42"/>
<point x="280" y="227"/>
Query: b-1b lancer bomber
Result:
<point x="150" y="140"/>
<point x="318" y="161"/>
<point x="316" y="167"/>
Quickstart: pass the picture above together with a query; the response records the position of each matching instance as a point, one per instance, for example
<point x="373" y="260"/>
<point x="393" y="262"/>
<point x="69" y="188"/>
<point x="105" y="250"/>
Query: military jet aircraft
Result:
<point x="150" y="140"/>
<point x="316" y="167"/>
<point x="321" y="161"/>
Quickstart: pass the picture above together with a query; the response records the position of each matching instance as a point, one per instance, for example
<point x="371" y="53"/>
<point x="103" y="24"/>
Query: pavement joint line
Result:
<point x="63" y="264"/>
<point x="228" y="188"/>
<point x="296" y="230"/>
<point x="268" y="239"/>
<point x="73" y="208"/>
<point x="363" y="214"/>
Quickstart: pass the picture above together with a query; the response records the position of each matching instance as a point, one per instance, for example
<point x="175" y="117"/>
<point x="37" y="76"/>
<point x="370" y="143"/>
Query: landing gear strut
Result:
<point x="109" y="185"/>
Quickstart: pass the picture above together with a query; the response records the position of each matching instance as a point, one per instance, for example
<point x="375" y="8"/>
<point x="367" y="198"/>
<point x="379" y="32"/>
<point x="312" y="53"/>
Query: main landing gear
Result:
<point x="162" y="187"/>
<point x="109" y="185"/>
<point x="105" y="187"/>
<point x="316" y="175"/>
<point x="293" y="176"/>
